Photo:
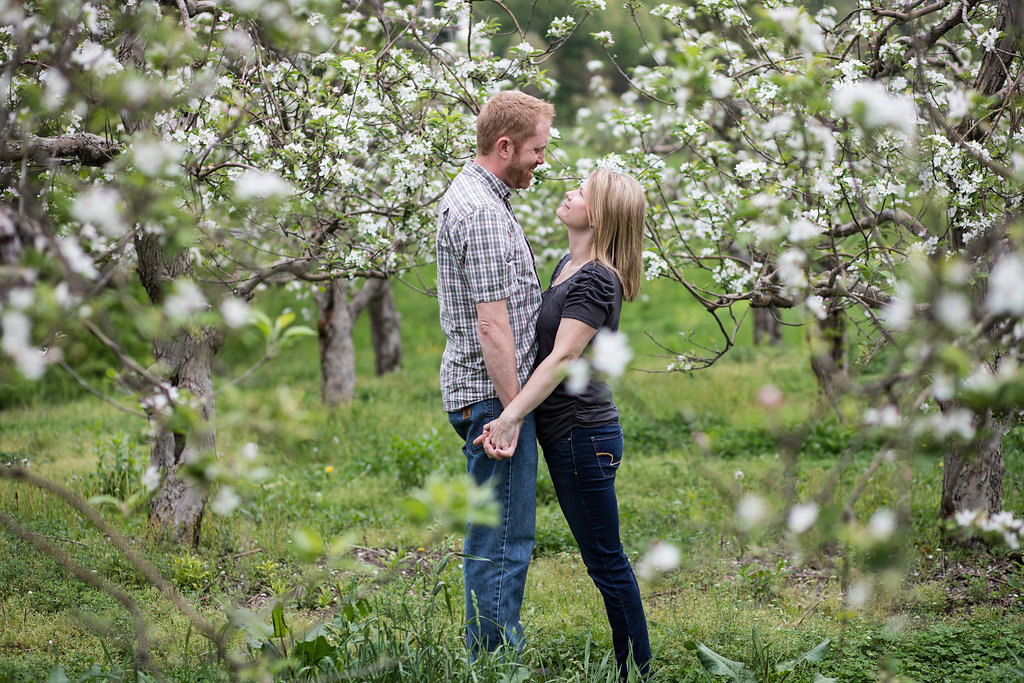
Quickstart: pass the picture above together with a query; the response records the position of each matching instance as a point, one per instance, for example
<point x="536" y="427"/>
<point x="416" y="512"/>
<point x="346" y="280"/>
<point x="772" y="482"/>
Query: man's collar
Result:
<point x="500" y="188"/>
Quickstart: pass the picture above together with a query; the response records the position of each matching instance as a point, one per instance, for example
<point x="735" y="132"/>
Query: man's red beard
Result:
<point x="520" y="173"/>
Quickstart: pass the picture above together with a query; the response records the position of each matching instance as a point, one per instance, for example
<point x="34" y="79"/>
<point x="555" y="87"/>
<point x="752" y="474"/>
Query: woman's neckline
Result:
<point x="571" y="276"/>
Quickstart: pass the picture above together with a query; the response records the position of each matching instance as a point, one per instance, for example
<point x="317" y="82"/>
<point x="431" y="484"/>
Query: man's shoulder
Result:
<point x="468" y="194"/>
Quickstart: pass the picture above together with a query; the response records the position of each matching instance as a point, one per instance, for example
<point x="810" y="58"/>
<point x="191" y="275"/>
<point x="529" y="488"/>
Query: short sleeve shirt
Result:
<point x="482" y="255"/>
<point x="592" y="295"/>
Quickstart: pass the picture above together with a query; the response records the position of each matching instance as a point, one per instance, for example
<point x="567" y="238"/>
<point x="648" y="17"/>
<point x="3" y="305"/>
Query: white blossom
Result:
<point x="791" y="269"/>
<point x="875" y="105"/>
<point x="899" y="312"/>
<point x="185" y="299"/>
<point x="795" y="22"/>
<point x="234" y="311"/>
<point x="887" y="417"/>
<point x="21" y="298"/>
<point x="611" y="353"/>
<point x="816" y="305"/>
<point x="155" y="157"/>
<point x="151" y="478"/>
<point x="250" y="451"/>
<point x="561" y="27"/>
<point x="578" y="376"/>
<point x="94" y="57"/>
<point x="225" y="501"/>
<point x="604" y="37"/>
<point x="253" y="184"/>
<point x="721" y="86"/>
<point x="802" y="517"/>
<point x="882" y="524"/>
<point x="953" y="311"/>
<point x="1006" y="286"/>
<point x="751" y="511"/>
<point x="858" y="594"/>
<point x="660" y="559"/>
<point x="99" y="206"/>
<point x="17" y="332"/>
<point x="78" y="261"/>
<point x="803" y="230"/>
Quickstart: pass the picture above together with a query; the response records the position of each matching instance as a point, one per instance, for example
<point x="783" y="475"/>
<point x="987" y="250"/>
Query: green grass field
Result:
<point x="948" y="615"/>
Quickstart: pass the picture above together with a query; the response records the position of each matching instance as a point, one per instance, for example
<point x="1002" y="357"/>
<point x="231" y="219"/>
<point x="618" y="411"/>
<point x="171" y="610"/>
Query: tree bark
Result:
<point x="185" y="360"/>
<point x="337" y="319"/>
<point x="12" y="239"/>
<point x="767" y="329"/>
<point x="179" y="504"/>
<point x="337" y="352"/>
<point x="972" y="479"/>
<point x="86" y="148"/>
<point x="828" y="356"/>
<point x="385" y="329"/>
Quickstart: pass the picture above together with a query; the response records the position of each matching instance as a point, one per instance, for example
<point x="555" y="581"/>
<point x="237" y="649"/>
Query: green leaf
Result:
<point x="307" y="543"/>
<point x="311" y="652"/>
<point x="283" y="321"/>
<point x="818" y="678"/>
<point x="815" y="654"/>
<point x="717" y="665"/>
<point x="57" y="675"/>
<point x="262" y="322"/>
<point x="277" y="616"/>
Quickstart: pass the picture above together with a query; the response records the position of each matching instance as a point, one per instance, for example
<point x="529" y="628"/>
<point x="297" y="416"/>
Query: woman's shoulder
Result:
<point x="598" y="274"/>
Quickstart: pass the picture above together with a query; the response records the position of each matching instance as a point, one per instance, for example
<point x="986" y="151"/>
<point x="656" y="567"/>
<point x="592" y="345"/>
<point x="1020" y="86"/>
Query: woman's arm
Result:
<point x="500" y="435"/>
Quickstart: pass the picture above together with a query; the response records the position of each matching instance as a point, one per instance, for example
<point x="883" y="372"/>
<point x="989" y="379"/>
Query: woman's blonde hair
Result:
<point x="617" y="209"/>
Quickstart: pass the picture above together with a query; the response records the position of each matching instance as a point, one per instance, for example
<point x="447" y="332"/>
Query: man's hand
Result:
<point x="499" y="439"/>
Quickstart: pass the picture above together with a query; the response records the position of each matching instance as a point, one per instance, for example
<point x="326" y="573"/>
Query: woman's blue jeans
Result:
<point x="497" y="557"/>
<point x="583" y="466"/>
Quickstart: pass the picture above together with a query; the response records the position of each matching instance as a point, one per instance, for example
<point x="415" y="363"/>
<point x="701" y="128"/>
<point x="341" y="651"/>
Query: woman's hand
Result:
<point x="499" y="438"/>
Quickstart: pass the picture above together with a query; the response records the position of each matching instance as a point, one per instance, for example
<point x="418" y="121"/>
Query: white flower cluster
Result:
<point x="561" y="27"/>
<point x="16" y="337"/>
<point x="1002" y="523"/>
<point x="660" y="559"/>
<point x="797" y="23"/>
<point x="97" y="59"/>
<point x="603" y="37"/>
<point x="1006" y="287"/>
<point x="792" y="270"/>
<point x="875" y="107"/>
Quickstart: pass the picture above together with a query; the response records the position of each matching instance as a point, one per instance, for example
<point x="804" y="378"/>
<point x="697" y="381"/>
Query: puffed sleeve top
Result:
<point x="592" y="295"/>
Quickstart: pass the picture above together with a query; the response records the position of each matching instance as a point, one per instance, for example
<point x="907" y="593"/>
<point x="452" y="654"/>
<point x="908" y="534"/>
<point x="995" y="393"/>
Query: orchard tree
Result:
<point x="213" y="149"/>
<point x="860" y="170"/>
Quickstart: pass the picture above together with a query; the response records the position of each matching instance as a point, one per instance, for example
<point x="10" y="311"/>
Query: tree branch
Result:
<point x="885" y="216"/>
<point x="86" y="148"/>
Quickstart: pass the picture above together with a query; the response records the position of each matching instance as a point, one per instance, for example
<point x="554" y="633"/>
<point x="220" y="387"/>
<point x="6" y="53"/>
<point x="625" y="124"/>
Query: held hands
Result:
<point x="499" y="438"/>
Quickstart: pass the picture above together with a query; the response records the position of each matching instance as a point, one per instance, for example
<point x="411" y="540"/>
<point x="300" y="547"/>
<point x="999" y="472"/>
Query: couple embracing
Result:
<point x="508" y="346"/>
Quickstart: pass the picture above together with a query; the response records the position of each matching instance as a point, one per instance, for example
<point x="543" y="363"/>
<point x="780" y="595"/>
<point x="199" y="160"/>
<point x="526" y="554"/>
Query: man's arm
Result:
<point x="494" y="331"/>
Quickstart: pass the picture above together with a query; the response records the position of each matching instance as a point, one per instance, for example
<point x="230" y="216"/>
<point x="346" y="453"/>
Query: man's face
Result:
<point x="528" y="155"/>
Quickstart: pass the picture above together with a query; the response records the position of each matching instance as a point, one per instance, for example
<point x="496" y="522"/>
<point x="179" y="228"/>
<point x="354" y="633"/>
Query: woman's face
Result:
<point x="573" y="212"/>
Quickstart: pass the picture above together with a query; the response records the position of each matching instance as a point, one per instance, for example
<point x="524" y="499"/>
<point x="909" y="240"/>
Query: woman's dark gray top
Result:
<point x="592" y="295"/>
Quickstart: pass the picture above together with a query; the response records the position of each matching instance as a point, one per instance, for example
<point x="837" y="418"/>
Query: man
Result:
<point x="489" y="295"/>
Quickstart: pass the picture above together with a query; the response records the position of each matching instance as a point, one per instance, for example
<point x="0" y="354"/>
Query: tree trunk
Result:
<point x="828" y="356"/>
<point x="767" y="329"/>
<point x="972" y="479"/>
<point x="337" y="352"/>
<point x="385" y="329"/>
<point x="185" y="361"/>
<point x="179" y="504"/>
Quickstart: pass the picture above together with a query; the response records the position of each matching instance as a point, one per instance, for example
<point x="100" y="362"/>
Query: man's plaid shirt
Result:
<point x="482" y="255"/>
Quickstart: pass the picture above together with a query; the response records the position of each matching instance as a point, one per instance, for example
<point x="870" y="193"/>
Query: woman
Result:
<point x="580" y="433"/>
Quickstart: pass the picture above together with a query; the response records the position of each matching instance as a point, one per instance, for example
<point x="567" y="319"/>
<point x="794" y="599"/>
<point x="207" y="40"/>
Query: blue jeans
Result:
<point x="497" y="558"/>
<point x="583" y="466"/>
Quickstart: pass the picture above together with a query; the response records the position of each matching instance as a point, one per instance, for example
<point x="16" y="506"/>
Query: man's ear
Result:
<point x="504" y="147"/>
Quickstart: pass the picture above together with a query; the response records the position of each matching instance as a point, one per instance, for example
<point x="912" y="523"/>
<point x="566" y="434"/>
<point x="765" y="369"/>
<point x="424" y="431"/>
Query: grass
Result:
<point x="956" y="616"/>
